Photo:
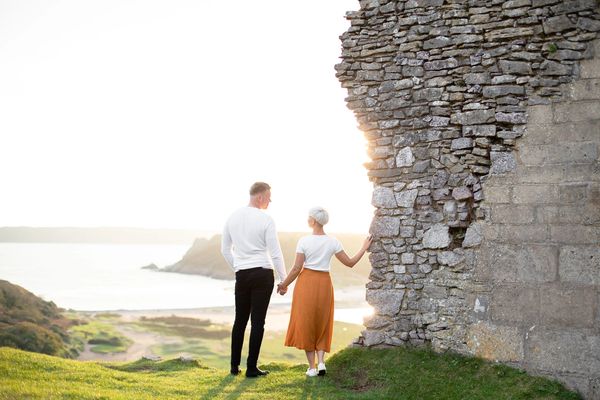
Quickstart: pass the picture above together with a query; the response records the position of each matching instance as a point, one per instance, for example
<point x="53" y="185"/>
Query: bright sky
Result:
<point x="162" y="113"/>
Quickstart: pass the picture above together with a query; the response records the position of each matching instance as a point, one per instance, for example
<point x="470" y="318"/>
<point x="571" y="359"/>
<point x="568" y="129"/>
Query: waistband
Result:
<point x="255" y="269"/>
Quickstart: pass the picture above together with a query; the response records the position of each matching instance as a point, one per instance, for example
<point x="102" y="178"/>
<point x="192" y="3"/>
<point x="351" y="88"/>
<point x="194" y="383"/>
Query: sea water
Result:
<point x="93" y="277"/>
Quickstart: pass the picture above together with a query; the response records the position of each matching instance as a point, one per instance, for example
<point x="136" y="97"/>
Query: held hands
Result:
<point x="281" y="289"/>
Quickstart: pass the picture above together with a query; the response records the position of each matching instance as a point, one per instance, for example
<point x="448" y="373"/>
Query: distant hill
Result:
<point x="29" y="323"/>
<point x="204" y="258"/>
<point x="99" y="235"/>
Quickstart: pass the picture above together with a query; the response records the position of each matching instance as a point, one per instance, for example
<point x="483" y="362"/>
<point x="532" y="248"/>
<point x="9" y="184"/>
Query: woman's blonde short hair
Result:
<point x="319" y="214"/>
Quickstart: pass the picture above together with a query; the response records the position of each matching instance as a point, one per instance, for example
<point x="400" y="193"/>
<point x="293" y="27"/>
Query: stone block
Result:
<point x="497" y="194"/>
<point x="477" y="78"/>
<point x="533" y="154"/>
<point x="557" y="173"/>
<point x="546" y="214"/>
<point x="575" y="234"/>
<point x="512" y="118"/>
<point x="572" y="306"/>
<point x="569" y="153"/>
<point x="590" y="68"/>
<point x="405" y="158"/>
<point x="573" y="6"/>
<point x="541" y="114"/>
<point x="515" y="67"/>
<point x="523" y="233"/>
<point x="579" y="264"/>
<point x="535" y="194"/>
<point x="499" y="91"/>
<point x="585" y="89"/>
<point x="407" y="198"/>
<point x="508" y="33"/>
<point x="557" y="24"/>
<point x="450" y="258"/>
<point x="508" y="263"/>
<point x="577" y="111"/>
<point x="554" y="68"/>
<point x="502" y="162"/>
<point x="588" y="24"/>
<point x="479" y="130"/>
<point x="437" y="42"/>
<point x="566" y="351"/>
<point x="461" y="193"/>
<point x="461" y="143"/>
<point x="515" y="303"/>
<point x="385" y="301"/>
<point x="373" y="337"/>
<point x="407" y="258"/>
<point x="473" y="117"/>
<point x="586" y="214"/>
<point x="512" y="214"/>
<point x="473" y="236"/>
<point x="435" y="292"/>
<point x="407" y="231"/>
<point x="574" y="193"/>
<point x="494" y="342"/>
<point x="583" y="131"/>
<point x="384" y="226"/>
<point x="383" y="197"/>
<point x="437" y="237"/>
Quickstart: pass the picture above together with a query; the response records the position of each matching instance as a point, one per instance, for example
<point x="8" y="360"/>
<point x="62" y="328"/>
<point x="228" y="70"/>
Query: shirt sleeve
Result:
<point x="337" y="246"/>
<point x="300" y="247"/>
<point x="226" y="245"/>
<point x="275" y="250"/>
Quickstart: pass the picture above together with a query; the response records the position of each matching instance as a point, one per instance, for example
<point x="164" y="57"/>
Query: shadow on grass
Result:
<point x="242" y="386"/>
<point x="218" y="389"/>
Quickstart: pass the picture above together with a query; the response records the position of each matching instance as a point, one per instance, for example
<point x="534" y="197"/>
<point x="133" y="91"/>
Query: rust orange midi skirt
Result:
<point x="311" y="319"/>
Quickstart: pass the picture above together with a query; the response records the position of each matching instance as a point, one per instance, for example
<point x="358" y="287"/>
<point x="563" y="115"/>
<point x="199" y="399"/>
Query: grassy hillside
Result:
<point x="397" y="373"/>
<point x="204" y="258"/>
<point x="27" y="322"/>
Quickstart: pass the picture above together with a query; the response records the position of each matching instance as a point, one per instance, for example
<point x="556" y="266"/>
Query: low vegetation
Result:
<point x="30" y="323"/>
<point x="102" y="336"/>
<point x="398" y="373"/>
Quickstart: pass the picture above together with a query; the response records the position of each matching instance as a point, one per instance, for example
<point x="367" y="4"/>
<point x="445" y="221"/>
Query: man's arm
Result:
<point x="275" y="250"/>
<point x="226" y="244"/>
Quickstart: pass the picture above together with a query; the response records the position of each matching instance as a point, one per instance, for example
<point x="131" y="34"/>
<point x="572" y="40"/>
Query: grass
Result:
<point x="210" y="347"/>
<point x="398" y="373"/>
<point x="102" y="335"/>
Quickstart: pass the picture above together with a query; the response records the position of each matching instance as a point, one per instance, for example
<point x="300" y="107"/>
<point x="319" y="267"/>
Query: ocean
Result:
<point x="103" y="277"/>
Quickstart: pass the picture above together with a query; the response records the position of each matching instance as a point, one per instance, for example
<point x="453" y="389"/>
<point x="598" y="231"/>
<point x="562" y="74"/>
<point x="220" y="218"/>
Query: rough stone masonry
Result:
<point x="483" y="124"/>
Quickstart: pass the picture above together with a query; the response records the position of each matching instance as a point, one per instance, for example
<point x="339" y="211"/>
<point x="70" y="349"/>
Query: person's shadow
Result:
<point x="212" y="393"/>
<point x="242" y="387"/>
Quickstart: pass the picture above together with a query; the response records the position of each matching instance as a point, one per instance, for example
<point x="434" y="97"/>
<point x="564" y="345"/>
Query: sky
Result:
<point x="161" y="114"/>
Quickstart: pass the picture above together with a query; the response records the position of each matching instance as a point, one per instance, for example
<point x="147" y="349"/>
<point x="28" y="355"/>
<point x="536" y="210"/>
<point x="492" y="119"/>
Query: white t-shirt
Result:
<point x="318" y="250"/>
<point x="250" y="241"/>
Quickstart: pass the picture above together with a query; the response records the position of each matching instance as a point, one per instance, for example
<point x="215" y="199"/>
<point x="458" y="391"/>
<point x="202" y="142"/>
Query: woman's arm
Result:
<point x="351" y="262"/>
<point x="298" y="264"/>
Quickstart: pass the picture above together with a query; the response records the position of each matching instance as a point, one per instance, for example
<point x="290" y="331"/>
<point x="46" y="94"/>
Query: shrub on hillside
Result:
<point x="30" y="323"/>
<point x="31" y="337"/>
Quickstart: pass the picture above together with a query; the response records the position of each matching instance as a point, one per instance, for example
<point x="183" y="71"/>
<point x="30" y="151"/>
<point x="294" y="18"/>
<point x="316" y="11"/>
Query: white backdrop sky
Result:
<point x="162" y="113"/>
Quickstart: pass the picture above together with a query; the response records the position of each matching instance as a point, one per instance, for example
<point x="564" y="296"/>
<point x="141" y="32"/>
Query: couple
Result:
<point x="251" y="248"/>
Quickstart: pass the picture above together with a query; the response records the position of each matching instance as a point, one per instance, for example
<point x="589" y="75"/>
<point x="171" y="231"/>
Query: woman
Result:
<point x="311" y="320"/>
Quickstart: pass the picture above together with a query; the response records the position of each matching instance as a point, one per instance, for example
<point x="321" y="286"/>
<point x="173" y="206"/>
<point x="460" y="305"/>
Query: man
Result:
<point x="251" y="248"/>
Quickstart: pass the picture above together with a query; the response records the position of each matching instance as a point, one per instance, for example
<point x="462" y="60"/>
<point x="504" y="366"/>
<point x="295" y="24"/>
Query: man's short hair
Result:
<point x="259" y="187"/>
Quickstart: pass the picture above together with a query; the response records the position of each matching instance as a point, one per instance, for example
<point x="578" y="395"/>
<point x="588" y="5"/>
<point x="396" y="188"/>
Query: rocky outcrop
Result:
<point x="204" y="258"/>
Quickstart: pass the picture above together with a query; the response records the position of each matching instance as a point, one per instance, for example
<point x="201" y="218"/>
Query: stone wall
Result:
<point x="483" y="122"/>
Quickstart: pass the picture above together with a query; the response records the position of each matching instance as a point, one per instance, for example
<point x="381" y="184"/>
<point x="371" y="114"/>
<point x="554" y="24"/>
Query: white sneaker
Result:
<point x="322" y="369"/>
<point x="311" y="372"/>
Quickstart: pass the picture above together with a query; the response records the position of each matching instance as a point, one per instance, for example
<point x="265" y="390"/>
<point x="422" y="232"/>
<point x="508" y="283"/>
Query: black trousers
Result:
<point x="253" y="288"/>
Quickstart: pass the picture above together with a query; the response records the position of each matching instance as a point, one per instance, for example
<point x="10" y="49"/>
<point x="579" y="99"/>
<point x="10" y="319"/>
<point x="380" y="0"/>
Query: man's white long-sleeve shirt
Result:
<point x="250" y="241"/>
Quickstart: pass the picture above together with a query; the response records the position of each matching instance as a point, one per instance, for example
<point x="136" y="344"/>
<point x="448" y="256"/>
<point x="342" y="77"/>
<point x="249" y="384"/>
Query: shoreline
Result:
<point x="277" y="315"/>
